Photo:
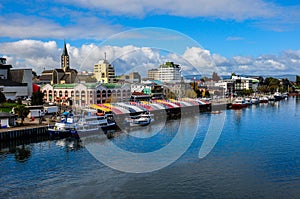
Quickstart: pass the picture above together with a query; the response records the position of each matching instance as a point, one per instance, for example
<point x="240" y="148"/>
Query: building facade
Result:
<point x="104" y="72"/>
<point x="83" y="94"/>
<point x="133" y="77"/>
<point x="168" y="72"/>
<point x="15" y="83"/>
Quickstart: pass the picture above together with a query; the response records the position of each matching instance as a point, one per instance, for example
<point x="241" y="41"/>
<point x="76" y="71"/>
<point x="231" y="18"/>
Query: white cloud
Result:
<point x="225" y="9"/>
<point x="83" y="27"/>
<point x="39" y="55"/>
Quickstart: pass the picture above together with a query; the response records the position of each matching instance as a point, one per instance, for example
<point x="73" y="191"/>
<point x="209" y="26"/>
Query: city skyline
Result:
<point x="249" y="37"/>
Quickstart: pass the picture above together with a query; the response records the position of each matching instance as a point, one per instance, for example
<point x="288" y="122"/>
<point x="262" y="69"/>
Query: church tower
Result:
<point x="65" y="64"/>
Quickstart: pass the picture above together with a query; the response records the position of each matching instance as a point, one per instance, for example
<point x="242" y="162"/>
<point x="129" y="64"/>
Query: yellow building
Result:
<point x="104" y="72"/>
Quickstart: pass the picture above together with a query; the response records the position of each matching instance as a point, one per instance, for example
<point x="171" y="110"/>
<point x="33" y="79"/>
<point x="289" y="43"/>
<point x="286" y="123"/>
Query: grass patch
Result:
<point x="7" y="106"/>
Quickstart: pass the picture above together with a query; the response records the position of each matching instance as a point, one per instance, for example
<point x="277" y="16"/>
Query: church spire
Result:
<point x="65" y="65"/>
<point x="65" y="52"/>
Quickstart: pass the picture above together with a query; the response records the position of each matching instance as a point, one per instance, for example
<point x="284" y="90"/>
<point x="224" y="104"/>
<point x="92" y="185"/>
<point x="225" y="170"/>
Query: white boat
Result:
<point x="263" y="99"/>
<point x="85" y="123"/>
<point x="94" y="124"/>
<point x="255" y="100"/>
<point x="239" y="103"/>
<point x="142" y="119"/>
<point x="271" y="98"/>
<point x="65" y="125"/>
<point x="248" y="101"/>
<point x="278" y="96"/>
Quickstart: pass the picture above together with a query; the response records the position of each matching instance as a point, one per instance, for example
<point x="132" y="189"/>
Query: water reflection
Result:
<point x="23" y="153"/>
<point x="70" y="143"/>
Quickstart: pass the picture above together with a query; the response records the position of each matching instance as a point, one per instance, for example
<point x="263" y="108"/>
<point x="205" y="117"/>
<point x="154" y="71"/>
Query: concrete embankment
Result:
<point x="23" y="132"/>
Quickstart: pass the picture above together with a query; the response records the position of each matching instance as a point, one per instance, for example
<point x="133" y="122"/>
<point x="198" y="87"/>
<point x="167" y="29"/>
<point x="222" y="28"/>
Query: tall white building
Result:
<point x="168" y="72"/>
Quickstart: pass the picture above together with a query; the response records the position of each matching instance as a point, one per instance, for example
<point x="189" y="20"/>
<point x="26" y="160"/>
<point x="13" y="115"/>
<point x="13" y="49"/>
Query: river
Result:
<point x="255" y="155"/>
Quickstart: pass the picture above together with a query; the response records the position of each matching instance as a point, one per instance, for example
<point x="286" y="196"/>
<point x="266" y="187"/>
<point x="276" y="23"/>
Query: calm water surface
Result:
<point x="257" y="156"/>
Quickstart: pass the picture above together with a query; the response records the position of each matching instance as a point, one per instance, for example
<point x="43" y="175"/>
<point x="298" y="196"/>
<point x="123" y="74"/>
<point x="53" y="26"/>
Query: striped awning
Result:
<point x="135" y="108"/>
<point x="116" y="109"/>
<point x="100" y="107"/>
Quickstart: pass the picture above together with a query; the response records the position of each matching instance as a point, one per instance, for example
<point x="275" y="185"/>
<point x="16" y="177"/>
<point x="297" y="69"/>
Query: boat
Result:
<point x="278" y="96"/>
<point x="248" y="101"/>
<point x="142" y="119"/>
<point x="92" y="122"/>
<point x="87" y="122"/>
<point x="263" y="99"/>
<point x="271" y="98"/>
<point x="255" y="100"/>
<point x="65" y="125"/>
<point x="239" y="103"/>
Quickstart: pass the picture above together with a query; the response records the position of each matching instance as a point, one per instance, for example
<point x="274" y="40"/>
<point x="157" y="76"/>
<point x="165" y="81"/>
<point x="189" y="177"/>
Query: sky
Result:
<point x="250" y="37"/>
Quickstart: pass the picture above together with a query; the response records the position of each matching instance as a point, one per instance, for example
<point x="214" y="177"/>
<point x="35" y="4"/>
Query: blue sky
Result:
<point x="249" y="36"/>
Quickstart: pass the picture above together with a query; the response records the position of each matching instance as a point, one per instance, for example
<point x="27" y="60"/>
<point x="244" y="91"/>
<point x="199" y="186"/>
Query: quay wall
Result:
<point x="23" y="133"/>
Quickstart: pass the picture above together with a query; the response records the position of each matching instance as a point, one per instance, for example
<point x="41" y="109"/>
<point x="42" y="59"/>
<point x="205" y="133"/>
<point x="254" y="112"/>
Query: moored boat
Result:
<point x="278" y="96"/>
<point x="239" y="103"/>
<point x="255" y="100"/>
<point x="248" y="101"/>
<point x="263" y="99"/>
<point x="65" y="125"/>
<point x="142" y="119"/>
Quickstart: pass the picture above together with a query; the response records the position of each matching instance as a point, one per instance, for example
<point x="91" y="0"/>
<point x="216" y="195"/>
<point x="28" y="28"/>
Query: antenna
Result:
<point x="104" y="55"/>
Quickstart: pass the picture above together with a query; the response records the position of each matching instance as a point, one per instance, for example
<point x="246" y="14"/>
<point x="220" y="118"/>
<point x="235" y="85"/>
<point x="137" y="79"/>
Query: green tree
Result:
<point x="22" y="112"/>
<point x="2" y="97"/>
<point x="232" y="74"/>
<point x="263" y="89"/>
<point x="270" y="81"/>
<point x="247" y="92"/>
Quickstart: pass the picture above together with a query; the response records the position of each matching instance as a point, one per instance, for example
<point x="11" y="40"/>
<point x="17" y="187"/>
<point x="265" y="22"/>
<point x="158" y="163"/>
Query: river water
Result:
<point x="256" y="155"/>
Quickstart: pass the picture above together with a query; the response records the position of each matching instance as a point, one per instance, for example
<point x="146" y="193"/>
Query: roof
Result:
<point x="91" y="85"/>
<point x="65" y="51"/>
<point x="64" y="85"/>
<point x="71" y="70"/>
<point x="7" y="82"/>
<point x="47" y="71"/>
<point x="65" y="77"/>
<point x="59" y="70"/>
<point x="109" y="85"/>
<point x="46" y="77"/>
<point x="5" y="66"/>
<point x="6" y="115"/>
